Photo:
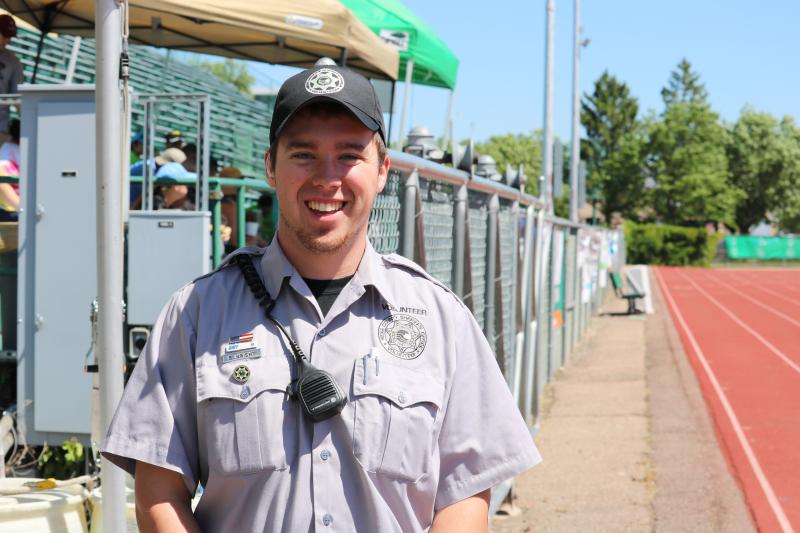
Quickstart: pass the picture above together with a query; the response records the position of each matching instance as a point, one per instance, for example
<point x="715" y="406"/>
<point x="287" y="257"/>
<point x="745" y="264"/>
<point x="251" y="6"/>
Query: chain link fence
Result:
<point x="533" y="281"/>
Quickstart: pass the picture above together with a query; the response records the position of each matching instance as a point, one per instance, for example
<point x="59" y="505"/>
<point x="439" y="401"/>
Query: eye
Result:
<point x="302" y="155"/>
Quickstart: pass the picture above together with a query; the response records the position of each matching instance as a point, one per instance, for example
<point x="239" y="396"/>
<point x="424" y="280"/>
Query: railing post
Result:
<point x="523" y="363"/>
<point x="510" y="326"/>
<point x="532" y="395"/>
<point x="459" y="221"/>
<point x="410" y="191"/>
<point x="491" y="272"/>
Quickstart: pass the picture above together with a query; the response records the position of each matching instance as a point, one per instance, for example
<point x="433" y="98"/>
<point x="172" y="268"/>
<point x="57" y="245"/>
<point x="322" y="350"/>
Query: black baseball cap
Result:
<point x="327" y="83"/>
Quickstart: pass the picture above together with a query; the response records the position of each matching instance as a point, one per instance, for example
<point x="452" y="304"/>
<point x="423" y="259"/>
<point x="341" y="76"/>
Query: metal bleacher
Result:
<point x="238" y="123"/>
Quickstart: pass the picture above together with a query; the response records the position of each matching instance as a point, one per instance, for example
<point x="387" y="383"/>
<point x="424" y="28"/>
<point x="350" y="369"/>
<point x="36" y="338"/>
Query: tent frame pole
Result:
<point x="391" y="114"/>
<point x="406" y="98"/>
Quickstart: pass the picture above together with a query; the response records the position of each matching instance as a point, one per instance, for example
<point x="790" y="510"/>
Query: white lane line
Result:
<point x="786" y="526"/>
<point x="794" y="366"/>
<point x="777" y="294"/>
<point x="757" y="302"/>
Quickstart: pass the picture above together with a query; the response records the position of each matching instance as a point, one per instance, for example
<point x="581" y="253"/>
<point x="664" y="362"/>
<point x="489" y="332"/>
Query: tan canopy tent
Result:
<point x="284" y="32"/>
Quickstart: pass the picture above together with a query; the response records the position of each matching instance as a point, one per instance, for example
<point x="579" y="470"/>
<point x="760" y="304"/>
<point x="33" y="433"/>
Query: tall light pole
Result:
<point x="576" y="112"/>
<point x="549" y="105"/>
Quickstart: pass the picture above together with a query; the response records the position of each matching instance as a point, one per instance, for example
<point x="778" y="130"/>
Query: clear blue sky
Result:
<point x="745" y="52"/>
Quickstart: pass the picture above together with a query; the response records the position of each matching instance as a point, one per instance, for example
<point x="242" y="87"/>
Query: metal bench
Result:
<point x="619" y="290"/>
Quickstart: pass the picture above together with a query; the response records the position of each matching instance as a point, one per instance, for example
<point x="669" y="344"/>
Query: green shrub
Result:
<point x="62" y="462"/>
<point x="662" y="244"/>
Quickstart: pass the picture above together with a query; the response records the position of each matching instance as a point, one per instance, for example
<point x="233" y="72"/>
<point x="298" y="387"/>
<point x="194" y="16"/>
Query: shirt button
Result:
<point x="401" y="398"/>
<point x="325" y="454"/>
<point x="245" y="393"/>
<point x="327" y="519"/>
<point x="323" y="332"/>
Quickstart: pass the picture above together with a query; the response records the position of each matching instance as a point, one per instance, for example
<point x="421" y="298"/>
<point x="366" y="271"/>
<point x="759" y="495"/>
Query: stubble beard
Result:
<point x="319" y="243"/>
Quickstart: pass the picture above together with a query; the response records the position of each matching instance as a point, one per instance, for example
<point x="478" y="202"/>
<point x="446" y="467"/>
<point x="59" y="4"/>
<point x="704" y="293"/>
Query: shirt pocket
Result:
<point x="251" y="426"/>
<point x="395" y="411"/>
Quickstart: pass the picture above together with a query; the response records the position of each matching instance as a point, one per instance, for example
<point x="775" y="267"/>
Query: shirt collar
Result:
<point x="372" y="271"/>
<point x="275" y="268"/>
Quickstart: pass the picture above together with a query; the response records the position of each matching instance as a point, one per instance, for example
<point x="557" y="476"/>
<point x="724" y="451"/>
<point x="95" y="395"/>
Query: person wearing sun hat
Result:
<point x="412" y="423"/>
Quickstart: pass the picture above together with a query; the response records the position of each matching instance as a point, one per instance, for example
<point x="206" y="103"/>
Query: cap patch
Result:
<point x="325" y="81"/>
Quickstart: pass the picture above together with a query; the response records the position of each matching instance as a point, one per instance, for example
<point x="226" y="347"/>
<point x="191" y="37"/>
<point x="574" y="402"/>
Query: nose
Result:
<point x="328" y="173"/>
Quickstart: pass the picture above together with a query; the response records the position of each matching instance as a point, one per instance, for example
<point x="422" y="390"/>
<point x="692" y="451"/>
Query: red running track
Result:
<point x="741" y="330"/>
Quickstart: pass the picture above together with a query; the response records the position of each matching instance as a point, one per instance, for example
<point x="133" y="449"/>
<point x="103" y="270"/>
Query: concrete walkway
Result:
<point x="627" y="441"/>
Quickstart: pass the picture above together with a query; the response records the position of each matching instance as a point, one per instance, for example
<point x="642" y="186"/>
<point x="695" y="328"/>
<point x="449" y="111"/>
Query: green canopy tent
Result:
<point x="424" y="58"/>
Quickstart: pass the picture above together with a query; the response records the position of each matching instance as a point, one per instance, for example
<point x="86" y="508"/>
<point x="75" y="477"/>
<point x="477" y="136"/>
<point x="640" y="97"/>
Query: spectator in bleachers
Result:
<point x="174" y="195"/>
<point x="137" y="146"/>
<point x="11" y="73"/>
<point x="9" y="150"/>
<point x="228" y="205"/>
<point x="9" y="166"/>
<point x="191" y="157"/>
<point x="168" y="164"/>
<point x="174" y="139"/>
<point x="9" y="195"/>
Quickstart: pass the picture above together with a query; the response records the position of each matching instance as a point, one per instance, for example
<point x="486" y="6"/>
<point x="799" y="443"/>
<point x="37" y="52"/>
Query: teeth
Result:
<point x="325" y="207"/>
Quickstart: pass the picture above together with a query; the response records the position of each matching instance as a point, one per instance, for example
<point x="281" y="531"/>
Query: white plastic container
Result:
<point x="97" y="511"/>
<point x="59" y="510"/>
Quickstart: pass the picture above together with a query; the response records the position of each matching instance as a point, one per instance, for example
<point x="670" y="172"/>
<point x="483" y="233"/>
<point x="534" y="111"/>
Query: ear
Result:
<point x="268" y="168"/>
<point x="383" y="173"/>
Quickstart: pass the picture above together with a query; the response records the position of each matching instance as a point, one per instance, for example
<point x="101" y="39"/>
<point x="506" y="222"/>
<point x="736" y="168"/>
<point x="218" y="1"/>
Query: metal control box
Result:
<point x="57" y="270"/>
<point x="166" y="250"/>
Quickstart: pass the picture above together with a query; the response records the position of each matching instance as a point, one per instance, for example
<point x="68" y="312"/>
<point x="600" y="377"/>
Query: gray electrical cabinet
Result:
<point x="57" y="269"/>
<point x="166" y="250"/>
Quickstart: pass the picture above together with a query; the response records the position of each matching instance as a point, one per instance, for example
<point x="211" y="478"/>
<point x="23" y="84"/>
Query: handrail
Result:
<point x="568" y="223"/>
<point x="430" y="169"/>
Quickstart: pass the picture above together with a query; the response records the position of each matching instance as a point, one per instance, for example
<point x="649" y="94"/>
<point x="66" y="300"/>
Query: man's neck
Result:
<point x="335" y="265"/>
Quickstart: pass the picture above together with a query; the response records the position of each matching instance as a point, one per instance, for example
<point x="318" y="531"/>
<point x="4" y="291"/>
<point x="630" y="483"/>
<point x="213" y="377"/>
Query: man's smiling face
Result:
<point x="326" y="173"/>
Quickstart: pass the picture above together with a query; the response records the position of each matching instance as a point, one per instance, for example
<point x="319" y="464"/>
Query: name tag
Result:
<point x="240" y="355"/>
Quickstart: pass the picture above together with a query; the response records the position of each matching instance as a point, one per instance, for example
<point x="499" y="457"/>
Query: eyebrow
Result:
<point x="348" y="145"/>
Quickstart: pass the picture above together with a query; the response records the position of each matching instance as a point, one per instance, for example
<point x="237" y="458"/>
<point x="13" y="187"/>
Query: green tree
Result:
<point x="516" y="149"/>
<point x="613" y="146"/>
<point x="755" y="155"/>
<point x="684" y="86"/>
<point x="785" y="204"/>
<point x="230" y="71"/>
<point x="686" y="157"/>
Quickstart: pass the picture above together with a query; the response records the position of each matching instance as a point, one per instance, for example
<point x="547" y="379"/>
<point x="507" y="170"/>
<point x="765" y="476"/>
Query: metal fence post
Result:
<point x="510" y="326"/>
<point x="532" y="392"/>
<point x="522" y="362"/>
<point x="410" y="191"/>
<point x="459" y="221"/>
<point x="491" y="272"/>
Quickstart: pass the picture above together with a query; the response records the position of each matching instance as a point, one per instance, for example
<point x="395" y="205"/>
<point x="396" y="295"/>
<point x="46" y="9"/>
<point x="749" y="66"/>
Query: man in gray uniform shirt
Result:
<point x="429" y="425"/>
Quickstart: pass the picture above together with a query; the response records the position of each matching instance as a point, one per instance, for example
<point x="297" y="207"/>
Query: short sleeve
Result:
<point x="155" y="421"/>
<point x="484" y="440"/>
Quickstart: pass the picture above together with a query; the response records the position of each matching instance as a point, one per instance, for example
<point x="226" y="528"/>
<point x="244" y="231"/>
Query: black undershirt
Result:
<point x="326" y="291"/>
